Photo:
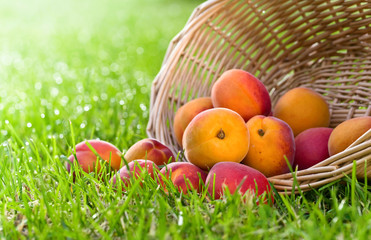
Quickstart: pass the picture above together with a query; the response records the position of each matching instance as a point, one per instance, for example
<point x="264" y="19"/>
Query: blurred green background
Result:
<point x="91" y="62"/>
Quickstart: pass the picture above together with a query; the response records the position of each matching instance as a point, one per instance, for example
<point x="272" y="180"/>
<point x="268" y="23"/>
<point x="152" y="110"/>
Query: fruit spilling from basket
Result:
<point x="232" y="141"/>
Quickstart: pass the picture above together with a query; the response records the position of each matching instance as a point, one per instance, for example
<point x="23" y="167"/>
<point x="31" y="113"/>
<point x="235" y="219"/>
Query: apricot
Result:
<point x="311" y="147"/>
<point x="235" y="176"/>
<point x="87" y="159"/>
<point x="347" y="132"/>
<point x="216" y="135"/>
<point x="184" y="175"/>
<point x="187" y="112"/>
<point x="150" y="149"/>
<point x="271" y="143"/>
<point x="241" y="92"/>
<point x="302" y="108"/>
<point x="135" y="170"/>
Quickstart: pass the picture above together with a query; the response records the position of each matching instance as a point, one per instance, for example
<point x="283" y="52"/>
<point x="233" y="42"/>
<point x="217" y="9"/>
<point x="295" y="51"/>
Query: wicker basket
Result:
<point x="321" y="44"/>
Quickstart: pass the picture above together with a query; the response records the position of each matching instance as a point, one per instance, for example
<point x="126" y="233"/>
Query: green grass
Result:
<point x="88" y="66"/>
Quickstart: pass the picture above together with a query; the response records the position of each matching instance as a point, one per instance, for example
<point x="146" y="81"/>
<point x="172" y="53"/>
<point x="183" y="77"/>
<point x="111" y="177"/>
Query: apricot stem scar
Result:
<point x="261" y="132"/>
<point x="221" y="134"/>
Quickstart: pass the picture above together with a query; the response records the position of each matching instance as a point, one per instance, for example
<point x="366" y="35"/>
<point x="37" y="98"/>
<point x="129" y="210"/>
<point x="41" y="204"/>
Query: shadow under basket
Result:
<point x="322" y="45"/>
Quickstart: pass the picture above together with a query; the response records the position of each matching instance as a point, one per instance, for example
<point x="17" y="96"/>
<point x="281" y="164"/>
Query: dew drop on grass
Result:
<point x="95" y="98"/>
<point x="79" y="109"/>
<point x="29" y="124"/>
<point x="143" y="90"/>
<point x="56" y="112"/>
<point x="143" y="107"/>
<point x="104" y="96"/>
<point x="130" y="96"/>
<point x="114" y="67"/>
<point x="140" y="82"/>
<point x="78" y="98"/>
<point x="61" y="67"/>
<point x="61" y="136"/>
<point x="27" y="143"/>
<point x="44" y="102"/>
<point x="140" y="50"/>
<point x="54" y="92"/>
<point x="80" y="87"/>
<point x="105" y="71"/>
<point x="122" y="122"/>
<point x="38" y="85"/>
<point x="122" y="79"/>
<point x="87" y="107"/>
<point x="82" y="125"/>
<point x="42" y="115"/>
<point x="4" y="132"/>
<point x="138" y="74"/>
<point x="122" y="102"/>
<point x="58" y="78"/>
<point x="64" y="100"/>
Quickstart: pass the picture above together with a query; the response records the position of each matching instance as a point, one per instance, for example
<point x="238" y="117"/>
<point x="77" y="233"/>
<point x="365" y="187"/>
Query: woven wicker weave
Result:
<point x="320" y="44"/>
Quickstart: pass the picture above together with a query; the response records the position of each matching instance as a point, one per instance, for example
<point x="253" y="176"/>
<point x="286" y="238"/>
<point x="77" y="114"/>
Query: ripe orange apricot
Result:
<point x="302" y="108"/>
<point x="216" y="135"/>
<point x="187" y="112"/>
<point x="242" y="92"/>
<point x="347" y="132"/>
<point x="271" y="143"/>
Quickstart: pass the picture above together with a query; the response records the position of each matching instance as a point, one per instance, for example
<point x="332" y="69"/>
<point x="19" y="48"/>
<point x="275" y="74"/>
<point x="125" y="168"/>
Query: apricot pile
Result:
<point x="294" y="134"/>
<point x="232" y="141"/>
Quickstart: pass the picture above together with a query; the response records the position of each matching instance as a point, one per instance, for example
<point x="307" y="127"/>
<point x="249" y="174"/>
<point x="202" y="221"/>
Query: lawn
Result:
<point x="77" y="70"/>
